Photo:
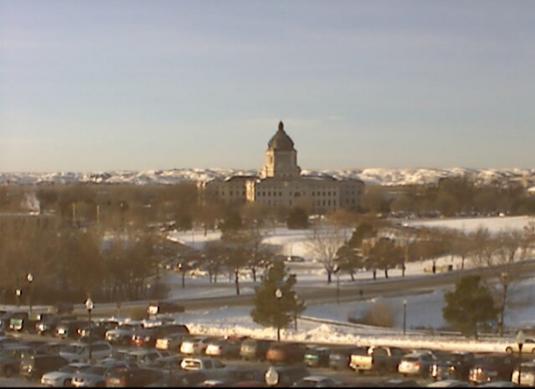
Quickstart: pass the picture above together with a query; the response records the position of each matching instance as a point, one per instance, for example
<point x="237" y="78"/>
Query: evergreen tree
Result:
<point x="270" y="310"/>
<point x="469" y="305"/>
<point x="297" y="218"/>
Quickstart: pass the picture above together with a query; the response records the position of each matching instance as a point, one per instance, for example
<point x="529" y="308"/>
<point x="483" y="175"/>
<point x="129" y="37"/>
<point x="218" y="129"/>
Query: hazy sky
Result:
<point x="97" y="85"/>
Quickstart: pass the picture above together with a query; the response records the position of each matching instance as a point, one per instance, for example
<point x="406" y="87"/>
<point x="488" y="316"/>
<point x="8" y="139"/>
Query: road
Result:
<point x="348" y="292"/>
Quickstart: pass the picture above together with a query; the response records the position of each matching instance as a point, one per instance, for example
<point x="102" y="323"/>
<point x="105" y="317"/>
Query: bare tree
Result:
<point x="324" y="243"/>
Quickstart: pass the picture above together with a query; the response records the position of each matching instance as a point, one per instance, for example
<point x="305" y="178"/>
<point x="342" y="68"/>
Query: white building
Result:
<point x="281" y="184"/>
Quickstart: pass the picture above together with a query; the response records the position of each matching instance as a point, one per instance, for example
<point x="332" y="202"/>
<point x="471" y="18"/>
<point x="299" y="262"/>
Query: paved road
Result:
<point x="348" y="292"/>
<point x="361" y="289"/>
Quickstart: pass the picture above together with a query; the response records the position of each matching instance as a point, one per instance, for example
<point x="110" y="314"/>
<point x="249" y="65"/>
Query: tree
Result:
<point x="297" y="218"/>
<point x="271" y="311"/>
<point x="385" y="254"/>
<point x="324" y="244"/>
<point x="469" y="305"/>
<point x="349" y="260"/>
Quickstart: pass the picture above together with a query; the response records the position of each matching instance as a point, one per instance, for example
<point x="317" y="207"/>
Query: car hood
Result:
<point x="56" y="375"/>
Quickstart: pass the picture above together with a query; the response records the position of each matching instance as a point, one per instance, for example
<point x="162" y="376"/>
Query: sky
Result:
<point x="108" y="84"/>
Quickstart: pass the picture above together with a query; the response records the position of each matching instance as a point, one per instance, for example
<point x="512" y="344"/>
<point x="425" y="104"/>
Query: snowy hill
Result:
<point x="379" y="176"/>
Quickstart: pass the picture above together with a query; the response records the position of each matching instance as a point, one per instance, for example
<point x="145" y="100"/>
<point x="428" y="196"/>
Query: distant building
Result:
<point x="281" y="184"/>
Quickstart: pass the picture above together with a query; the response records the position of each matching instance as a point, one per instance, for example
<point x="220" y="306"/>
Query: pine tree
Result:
<point x="270" y="310"/>
<point x="469" y="305"/>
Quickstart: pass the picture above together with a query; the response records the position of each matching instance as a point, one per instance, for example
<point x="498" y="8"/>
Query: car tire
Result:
<point x="509" y="350"/>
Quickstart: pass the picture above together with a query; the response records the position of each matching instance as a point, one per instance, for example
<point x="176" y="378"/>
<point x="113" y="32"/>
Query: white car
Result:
<point x="195" y="345"/>
<point x="527" y="377"/>
<point x="527" y="347"/>
<point x="201" y="364"/>
<point x="63" y="376"/>
<point x="79" y="352"/>
<point x="416" y="363"/>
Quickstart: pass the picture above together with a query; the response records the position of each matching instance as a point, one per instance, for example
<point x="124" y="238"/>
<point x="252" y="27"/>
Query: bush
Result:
<point x="379" y="315"/>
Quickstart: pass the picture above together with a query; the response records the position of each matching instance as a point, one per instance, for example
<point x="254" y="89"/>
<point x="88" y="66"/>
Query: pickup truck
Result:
<point x="378" y="358"/>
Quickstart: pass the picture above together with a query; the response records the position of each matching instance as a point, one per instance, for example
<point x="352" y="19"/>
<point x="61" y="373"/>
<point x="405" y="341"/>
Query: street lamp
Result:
<point x="336" y="271"/>
<point x="520" y="339"/>
<point x="404" y="316"/>
<point x="297" y="303"/>
<point x="29" y="277"/>
<point x="89" y="306"/>
<point x="504" y="276"/>
<point x="278" y="295"/>
<point x="18" y="293"/>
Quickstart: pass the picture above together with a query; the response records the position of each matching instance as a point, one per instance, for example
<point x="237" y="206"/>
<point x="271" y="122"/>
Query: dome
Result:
<point x="281" y="140"/>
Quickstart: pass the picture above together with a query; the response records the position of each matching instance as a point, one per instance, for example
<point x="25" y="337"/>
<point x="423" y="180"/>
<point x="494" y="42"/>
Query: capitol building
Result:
<point x="281" y="184"/>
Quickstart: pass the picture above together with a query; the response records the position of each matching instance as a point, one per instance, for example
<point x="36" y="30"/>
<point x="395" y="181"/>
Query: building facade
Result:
<point x="281" y="184"/>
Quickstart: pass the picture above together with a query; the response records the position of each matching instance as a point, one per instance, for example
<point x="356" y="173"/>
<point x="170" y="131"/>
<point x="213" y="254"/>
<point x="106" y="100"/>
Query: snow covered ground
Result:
<point x="325" y="322"/>
<point x="493" y="224"/>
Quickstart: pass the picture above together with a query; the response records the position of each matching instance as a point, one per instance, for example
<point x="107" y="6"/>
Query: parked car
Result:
<point x="69" y="328"/>
<point x="144" y="357"/>
<point x="133" y="376"/>
<point x="47" y="325"/>
<point x="340" y="357"/>
<point x="377" y="358"/>
<point x="147" y="337"/>
<point x="316" y="382"/>
<point x="224" y="348"/>
<point x="527" y="374"/>
<point x="18" y="321"/>
<point x="285" y="353"/>
<point x="170" y="342"/>
<point x="122" y="335"/>
<point x="195" y="345"/>
<point x="452" y="366"/>
<point x="162" y="307"/>
<point x="285" y="375"/>
<point x="186" y="379"/>
<point x="34" y="366"/>
<point x="201" y="364"/>
<point x="10" y="360"/>
<point x="167" y="362"/>
<point x="416" y="363"/>
<point x="492" y="368"/>
<point x="63" y="376"/>
<point x="254" y="349"/>
<point x="317" y="356"/>
<point x="93" y="377"/>
<point x="79" y="352"/>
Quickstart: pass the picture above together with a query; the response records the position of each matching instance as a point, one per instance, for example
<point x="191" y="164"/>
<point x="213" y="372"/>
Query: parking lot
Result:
<point x="158" y="351"/>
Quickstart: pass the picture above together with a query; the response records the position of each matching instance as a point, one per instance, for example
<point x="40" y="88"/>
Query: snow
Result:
<point x="493" y="224"/>
<point x="381" y="176"/>
<point x="232" y="321"/>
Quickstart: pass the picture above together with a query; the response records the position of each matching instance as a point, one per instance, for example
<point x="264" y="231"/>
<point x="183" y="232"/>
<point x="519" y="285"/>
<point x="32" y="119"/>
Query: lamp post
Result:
<point x="404" y="317"/>
<point x="18" y="293"/>
<point x="278" y="295"/>
<point x="297" y="303"/>
<point x="89" y="306"/>
<point x="336" y="271"/>
<point x="29" y="278"/>
<point x="505" y="283"/>
<point x="520" y="339"/>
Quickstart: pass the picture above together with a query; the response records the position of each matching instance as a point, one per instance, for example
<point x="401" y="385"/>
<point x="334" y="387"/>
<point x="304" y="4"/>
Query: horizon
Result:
<point x="162" y="84"/>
